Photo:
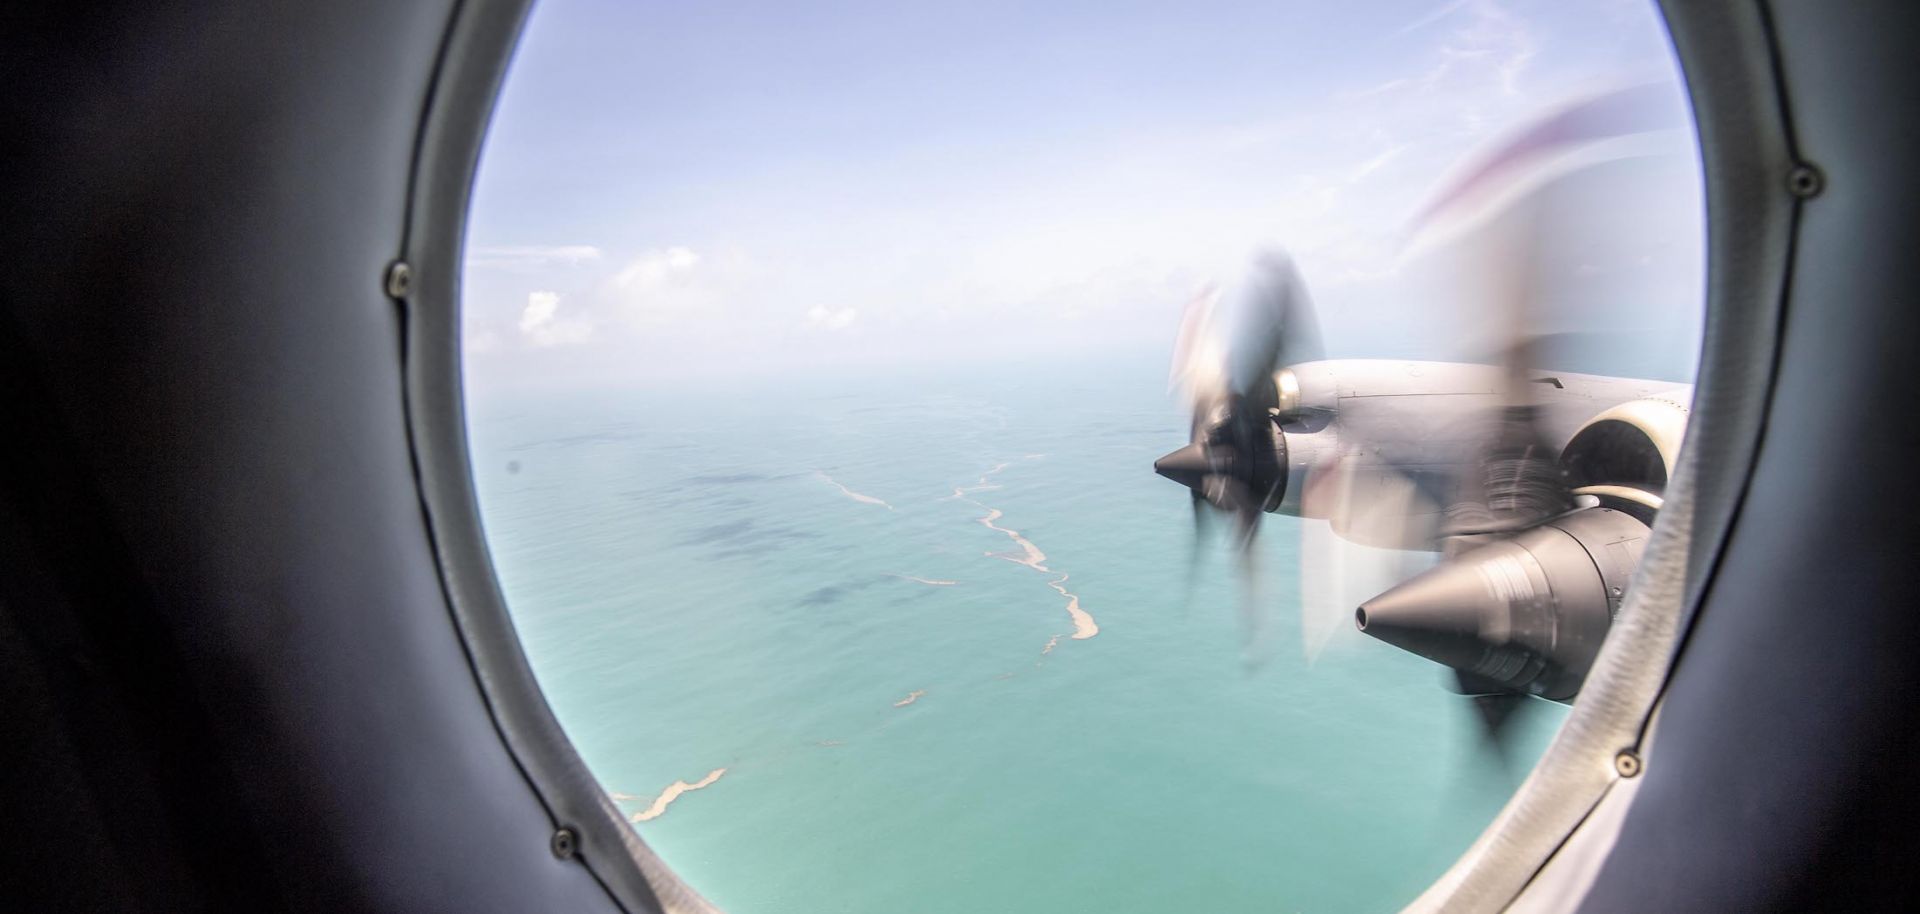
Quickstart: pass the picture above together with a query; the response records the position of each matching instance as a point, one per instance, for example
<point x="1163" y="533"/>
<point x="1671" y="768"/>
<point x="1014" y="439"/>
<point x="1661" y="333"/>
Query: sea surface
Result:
<point x="938" y="642"/>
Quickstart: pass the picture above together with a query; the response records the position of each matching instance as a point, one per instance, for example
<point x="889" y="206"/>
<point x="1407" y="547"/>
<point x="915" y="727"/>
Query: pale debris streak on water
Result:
<point x="1083" y="624"/>
<point x="1030" y="555"/>
<point x="856" y="496"/>
<point x="672" y="793"/>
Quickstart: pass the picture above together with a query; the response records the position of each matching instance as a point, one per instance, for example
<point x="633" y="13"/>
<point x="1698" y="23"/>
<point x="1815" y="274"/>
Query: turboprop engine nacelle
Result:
<point x="1626" y="455"/>
<point x="1527" y="612"/>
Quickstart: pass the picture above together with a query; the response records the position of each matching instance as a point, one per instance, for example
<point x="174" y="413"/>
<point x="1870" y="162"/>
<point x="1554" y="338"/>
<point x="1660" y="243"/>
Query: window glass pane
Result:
<point x="817" y="361"/>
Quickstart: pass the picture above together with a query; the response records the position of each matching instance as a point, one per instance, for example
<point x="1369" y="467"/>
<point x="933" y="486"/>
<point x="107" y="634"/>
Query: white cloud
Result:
<point x="1484" y="43"/>
<point x="1439" y="13"/>
<point x="831" y="318"/>
<point x="653" y="269"/>
<point x="1368" y="167"/>
<point x="670" y="284"/>
<point x="532" y="256"/>
<point x="540" y="309"/>
<point x="1494" y="36"/>
<point x="540" y="322"/>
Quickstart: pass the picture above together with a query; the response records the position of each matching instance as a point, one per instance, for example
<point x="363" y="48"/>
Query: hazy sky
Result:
<point x="672" y="189"/>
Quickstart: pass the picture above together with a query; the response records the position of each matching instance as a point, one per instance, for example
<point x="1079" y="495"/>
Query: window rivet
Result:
<point x="565" y="843"/>
<point x="399" y="279"/>
<point x="1627" y="764"/>
<point x="1805" y="181"/>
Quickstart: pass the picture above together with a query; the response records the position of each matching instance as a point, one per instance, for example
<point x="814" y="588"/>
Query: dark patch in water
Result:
<point x="734" y="479"/>
<point x="821" y="596"/>
<point x="732" y="531"/>
<point x="605" y="437"/>
<point x="676" y="498"/>
<point x="832" y="593"/>
<point x="743" y="537"/>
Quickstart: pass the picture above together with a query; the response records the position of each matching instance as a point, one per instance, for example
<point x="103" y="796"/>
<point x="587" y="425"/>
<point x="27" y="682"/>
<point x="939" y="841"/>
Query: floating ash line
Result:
<point x="984" y="485"/>
<point x="1029" y="555"/>
<point x="1083" y="625"/>
<point x="673" y="792"/>
<point x="856" y="496"/>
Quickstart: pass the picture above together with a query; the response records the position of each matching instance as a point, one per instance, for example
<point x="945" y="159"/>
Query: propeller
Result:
<point x="1234" y="460"/>
<point x="1511" y="482"/>
<point x="1367" y="527"/>
<point x="1528" y="576"/>
<point x="1526" y="587"/>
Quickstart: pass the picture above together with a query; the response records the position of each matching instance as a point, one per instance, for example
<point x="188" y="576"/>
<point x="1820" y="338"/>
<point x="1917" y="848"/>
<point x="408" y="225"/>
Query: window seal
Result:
<point x="472" y="65"/>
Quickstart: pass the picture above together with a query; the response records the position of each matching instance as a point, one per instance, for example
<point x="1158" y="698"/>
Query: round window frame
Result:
<point x="1726" y="57"/>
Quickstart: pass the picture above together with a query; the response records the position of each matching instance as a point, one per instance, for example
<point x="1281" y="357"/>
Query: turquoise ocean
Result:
<point x="823" y="586"/>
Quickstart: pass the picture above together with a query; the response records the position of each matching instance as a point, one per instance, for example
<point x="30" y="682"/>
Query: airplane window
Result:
<point x="1060" y="457"/>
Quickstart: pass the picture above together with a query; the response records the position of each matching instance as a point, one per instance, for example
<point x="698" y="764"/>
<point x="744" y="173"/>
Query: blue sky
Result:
<point x="678" y="189"/>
